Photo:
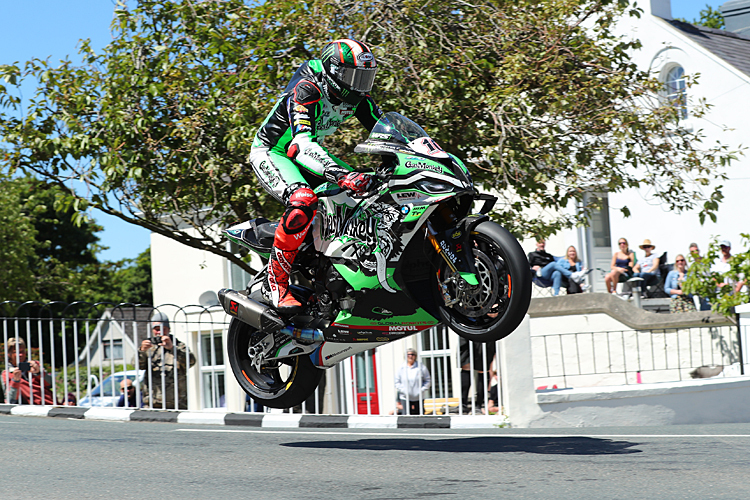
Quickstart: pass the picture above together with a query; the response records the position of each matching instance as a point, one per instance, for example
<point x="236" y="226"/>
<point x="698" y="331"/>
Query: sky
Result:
<point x="52" y="28"/>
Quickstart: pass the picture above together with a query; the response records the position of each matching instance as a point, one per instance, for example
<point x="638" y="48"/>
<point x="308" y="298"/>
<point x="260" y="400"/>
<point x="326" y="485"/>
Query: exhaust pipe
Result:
<point x="245" y="309"/>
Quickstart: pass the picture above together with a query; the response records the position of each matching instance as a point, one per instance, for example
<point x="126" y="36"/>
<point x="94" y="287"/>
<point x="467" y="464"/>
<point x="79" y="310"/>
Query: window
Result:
<point x="676" y="90"/>
<point x="112" y="349"/>
<point x="212" y="370"/>
<point x="600" y="225"/>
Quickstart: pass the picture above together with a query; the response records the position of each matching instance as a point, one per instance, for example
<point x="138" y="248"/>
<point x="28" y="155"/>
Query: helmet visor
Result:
<point x="356" y="79"/>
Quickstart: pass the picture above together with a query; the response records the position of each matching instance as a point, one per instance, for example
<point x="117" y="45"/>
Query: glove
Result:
<point x="355" y="182"/>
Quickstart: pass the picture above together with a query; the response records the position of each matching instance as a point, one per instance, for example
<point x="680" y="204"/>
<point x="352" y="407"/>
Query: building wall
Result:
<point x="727" y="90"/>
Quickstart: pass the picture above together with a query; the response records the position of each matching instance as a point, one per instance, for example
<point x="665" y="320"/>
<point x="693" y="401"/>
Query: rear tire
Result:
<point x="510" y="283"/>
<point x="281" y="384"/>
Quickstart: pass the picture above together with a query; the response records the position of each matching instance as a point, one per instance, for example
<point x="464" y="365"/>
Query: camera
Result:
<point x="24" y="366"/>
<point x="155" y="340"/>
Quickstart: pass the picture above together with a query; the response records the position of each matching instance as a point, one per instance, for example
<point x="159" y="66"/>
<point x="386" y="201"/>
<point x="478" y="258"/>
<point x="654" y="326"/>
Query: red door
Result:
<point x="366" y="383"/>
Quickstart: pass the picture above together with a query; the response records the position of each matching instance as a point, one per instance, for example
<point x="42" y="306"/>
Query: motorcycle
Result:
<point x="378" y="267"/>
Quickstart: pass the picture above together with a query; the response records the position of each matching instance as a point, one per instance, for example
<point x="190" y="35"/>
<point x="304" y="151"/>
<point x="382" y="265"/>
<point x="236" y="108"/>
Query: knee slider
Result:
<point x="300" y="211"/>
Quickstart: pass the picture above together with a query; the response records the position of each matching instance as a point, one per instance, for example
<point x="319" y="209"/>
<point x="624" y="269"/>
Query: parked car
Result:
<point x="108" y="392"/>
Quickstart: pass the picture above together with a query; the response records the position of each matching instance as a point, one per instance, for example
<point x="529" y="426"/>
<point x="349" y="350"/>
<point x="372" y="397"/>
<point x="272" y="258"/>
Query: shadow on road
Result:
<point x="546" y="446"/>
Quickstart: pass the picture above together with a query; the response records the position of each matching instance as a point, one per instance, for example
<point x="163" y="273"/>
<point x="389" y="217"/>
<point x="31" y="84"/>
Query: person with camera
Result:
<point x="166" y="361"/>
<point x="24" y="381"/>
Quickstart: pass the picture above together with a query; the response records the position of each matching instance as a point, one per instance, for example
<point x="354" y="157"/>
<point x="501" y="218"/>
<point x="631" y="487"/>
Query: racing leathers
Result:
<point x="287" y="155"/>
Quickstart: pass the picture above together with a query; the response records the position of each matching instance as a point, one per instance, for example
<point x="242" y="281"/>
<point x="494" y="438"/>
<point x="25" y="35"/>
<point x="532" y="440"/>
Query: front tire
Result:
<point x="504" y="291"/>
<point x="279" y="384"/>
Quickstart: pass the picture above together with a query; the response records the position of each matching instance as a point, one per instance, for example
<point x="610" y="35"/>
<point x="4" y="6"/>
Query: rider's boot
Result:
<point x="289" y="236"/>
<point x="277" y="285"/>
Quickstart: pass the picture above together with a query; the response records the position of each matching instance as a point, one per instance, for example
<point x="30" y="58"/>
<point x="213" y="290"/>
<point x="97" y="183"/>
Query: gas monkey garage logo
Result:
<point x="373" y="228"/>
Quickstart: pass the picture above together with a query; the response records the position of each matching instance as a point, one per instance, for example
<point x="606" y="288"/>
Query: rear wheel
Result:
<point x="495" y="307"/>
<point x="277" y="384"/>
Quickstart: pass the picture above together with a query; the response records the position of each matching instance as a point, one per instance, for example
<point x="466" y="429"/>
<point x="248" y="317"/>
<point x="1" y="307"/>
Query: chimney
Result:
<point x="737" y="16"/>
<point x="661" y="8"/>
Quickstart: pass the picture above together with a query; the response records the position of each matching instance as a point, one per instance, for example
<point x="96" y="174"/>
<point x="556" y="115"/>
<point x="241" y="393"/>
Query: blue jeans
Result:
<point x="555" y="271"/>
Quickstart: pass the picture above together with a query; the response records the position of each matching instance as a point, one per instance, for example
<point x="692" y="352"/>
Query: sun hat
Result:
<point x="647" y="243"/>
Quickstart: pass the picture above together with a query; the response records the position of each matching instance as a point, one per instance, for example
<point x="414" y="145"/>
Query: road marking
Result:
<point x="449" y="435"/>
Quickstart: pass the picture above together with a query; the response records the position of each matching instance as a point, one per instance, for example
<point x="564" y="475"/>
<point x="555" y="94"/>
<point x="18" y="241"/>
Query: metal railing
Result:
<point x="86" y="351"/>
<point x="632" y="356"/>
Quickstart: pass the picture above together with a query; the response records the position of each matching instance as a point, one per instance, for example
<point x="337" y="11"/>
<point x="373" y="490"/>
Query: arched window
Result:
<point x="676" y="90"/>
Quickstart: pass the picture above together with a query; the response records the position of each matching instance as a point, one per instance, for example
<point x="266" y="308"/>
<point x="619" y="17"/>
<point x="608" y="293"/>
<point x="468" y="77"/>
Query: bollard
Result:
<point x="635" y="288"/>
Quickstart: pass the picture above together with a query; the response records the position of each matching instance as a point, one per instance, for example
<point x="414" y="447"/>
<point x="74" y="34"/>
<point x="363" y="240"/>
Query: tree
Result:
<point x="725" y="290"/>
<point x="540" y="99"/>
<point x="17" y="242"/>
<point x="709" y="18"/>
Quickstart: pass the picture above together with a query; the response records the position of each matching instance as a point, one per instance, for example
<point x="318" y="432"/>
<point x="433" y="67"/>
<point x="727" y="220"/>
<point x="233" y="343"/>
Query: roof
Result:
<point x="126" y="315"/>
<point x="733" y="48"/>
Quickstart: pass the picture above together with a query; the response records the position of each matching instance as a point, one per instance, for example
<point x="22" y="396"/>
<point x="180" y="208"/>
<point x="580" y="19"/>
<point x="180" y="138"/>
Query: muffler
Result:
<point x="245" y="309"/>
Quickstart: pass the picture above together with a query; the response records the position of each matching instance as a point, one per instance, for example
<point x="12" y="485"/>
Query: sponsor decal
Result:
<point x="382" y="311"/>
<point x="300" y="108"/>
<point x="372" y="228"/>
<point x="235" y="232"/>
<point x="380" y="136"/>
<point x="270" y="176"/>
<point x="234" y="308"/>
<point x="424" y="166"/>
<point x="301" y="122"/>
<point x="459" y="247"/>
<point x="415" y="212"/>
<point x="382" y="339"/>
<point x="403" y="328"/>
<point x="447" y="251"/>
<point x="343" y="332"/>
<point x="365" y="57"/>
<point x="405" y="209"/>
<point x="456" y="235"/>
<point x="411" y="195"/>
<point x="337" y="353"/>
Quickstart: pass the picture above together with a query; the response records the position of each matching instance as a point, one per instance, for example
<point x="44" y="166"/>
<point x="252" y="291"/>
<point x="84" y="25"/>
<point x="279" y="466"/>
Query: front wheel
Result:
<point x="495" y="307"/>
<point x="276" y="384"/>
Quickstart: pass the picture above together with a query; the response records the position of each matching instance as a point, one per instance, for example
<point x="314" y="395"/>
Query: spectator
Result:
<point x="648" y="267"/>
<point x="554" y="269"/>
<point x="478" y="356"/>
<point x="570" y="268"/>
<point x="162" y="356"/>
<point x="70" y="400"/>
<point x="539" y="258"/>
<point x="623" y="261"/>
<point x="695" y="252"/>
<point x="412" y="380"/>
<point x="128" y="391"/>
<point x="493" y="401"/>
<point x="25" y="382"/>
<point x="724" y="266"/>
<point x="680" y="301"/>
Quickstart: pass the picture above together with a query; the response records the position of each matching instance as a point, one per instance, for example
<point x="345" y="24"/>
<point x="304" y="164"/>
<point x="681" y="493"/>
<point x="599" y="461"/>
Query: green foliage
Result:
<point x="709" y="18"/>
<point x="723" y="290"/>
<point x="48" y="257"/>
<point x="541" y="99"/>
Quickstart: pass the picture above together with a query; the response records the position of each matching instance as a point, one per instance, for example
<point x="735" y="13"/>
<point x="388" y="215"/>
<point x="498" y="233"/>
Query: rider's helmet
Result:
<point x="349" y="67"/>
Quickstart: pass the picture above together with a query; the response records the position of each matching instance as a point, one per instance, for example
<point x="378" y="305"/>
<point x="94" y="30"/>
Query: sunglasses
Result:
<point x="648" y="246"/>
<point x="680" y="260"/>
<point x="623" y="243"/>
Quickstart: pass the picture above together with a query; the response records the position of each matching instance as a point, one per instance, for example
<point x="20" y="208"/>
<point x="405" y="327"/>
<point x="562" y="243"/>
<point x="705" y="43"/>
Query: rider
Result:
<point x="287" y="154"/>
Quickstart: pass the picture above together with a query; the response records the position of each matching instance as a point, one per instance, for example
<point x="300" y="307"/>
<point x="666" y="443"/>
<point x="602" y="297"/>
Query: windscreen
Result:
<point x="394" y="127"/>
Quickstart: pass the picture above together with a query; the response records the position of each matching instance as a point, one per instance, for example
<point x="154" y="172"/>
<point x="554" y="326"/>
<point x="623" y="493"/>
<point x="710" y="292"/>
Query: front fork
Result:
<point x="455" y="246"/>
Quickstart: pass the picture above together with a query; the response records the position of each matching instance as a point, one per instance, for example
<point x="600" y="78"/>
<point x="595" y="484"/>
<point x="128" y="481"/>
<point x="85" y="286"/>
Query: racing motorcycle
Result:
<point x="404" y="257"/>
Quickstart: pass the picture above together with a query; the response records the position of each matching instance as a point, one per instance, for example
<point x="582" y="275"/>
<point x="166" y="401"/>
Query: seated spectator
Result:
<point x="679" y="301"/>
<point x="648" y="267"/>
<point x="570" y="268"/>
<point x="539" y="258"/>
<point x="24" y="381"/>
<point x="695" y="253"/>
<point x="623" y="261"/>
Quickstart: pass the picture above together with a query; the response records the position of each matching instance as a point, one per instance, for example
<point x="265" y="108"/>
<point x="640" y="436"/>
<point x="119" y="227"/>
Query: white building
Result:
<point x="672" y="49"/>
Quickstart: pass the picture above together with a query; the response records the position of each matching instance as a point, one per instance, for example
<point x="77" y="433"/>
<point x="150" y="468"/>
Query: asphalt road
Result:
<point x="54" y="458"/>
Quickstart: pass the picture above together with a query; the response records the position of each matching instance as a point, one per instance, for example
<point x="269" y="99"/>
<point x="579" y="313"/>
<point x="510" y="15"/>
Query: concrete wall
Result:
<point x="701" y="401"/>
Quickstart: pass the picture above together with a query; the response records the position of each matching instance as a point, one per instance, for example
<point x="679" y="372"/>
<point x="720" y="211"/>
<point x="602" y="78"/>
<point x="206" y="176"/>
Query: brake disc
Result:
<point x="473" y="301"/>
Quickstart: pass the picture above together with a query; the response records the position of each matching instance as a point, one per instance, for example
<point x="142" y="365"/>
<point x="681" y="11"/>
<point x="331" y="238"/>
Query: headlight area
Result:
<point x="433" y="187"/>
